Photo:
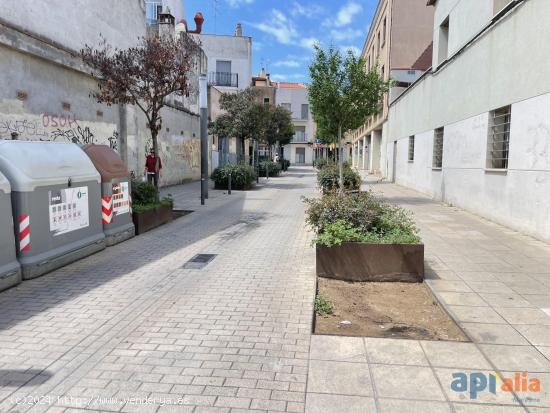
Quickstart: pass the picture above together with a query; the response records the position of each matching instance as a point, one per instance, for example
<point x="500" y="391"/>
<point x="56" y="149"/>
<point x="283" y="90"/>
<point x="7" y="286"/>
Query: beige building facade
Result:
<point x="399" y="46"/>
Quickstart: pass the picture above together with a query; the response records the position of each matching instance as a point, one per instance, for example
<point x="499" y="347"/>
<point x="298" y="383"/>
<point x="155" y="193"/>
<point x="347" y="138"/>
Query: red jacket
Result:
<point x="150" y="163"/>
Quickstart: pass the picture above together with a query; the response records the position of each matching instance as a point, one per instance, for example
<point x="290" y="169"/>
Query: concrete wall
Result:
<point x="75" y="23"/>
<point x="44" y="95"/>
<point x="237" y="49"/>
<point x="290" y="153"/>
<point x="494" y="71"/>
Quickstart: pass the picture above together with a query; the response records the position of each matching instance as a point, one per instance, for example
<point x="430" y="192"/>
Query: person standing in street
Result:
<point x="152" y="165"/>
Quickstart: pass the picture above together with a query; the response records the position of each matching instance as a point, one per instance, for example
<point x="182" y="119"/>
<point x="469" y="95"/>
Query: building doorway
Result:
<point x="300" y="156"/>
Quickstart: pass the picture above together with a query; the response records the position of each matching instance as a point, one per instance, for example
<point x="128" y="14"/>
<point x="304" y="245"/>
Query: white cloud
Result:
<point x="284" y="30"/>
<point x="257" y="46"/>
<point x="340" y="35"/>
<point x="288" y="77"/>
<point x="287" y="63"/>
<point x="309" y="11"/>
<point x="237" y="3"/>
<point x="309" y="42"/>
<point x="345" y="15"/>
<point x="278" y="26"/>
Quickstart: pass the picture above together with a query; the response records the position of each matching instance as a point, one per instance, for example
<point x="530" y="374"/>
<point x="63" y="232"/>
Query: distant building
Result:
<point x="294" y="97"/>
<point x="229" y="59"/>
<point x="154" y="7"/>
<point x="475" y="130"/>
<point x="399" y="42"/>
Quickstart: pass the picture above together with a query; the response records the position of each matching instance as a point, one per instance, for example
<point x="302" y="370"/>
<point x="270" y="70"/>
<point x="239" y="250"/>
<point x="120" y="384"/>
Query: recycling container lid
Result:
<point x="4" y="184"/>
<point x="32" y="164"/>
<point x="107" y="162"/>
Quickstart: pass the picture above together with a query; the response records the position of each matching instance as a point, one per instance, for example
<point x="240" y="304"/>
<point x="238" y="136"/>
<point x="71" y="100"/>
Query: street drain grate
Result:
<point x="199" y="261"/>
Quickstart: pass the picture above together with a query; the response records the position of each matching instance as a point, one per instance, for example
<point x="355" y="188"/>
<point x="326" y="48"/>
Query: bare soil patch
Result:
<point x="387" y="309"/>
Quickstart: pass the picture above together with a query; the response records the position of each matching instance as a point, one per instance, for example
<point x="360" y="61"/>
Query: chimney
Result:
<point x="199" y="20"/>
<point x="166" y="23"/>
<point x="239" y="30"/>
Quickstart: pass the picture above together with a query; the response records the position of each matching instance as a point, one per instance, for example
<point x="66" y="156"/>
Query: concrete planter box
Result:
<point x="355" y="261"/>
<point x="147" y="220"/>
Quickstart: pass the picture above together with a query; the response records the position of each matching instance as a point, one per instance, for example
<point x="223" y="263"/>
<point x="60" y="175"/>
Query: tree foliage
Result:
<point x="342" y="94"/>
<point x="246" y="118"/>
<point x="145" y="75"/>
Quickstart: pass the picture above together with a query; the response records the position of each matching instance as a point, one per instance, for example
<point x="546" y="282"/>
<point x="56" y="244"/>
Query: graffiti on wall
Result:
<point x="55" y="127"/>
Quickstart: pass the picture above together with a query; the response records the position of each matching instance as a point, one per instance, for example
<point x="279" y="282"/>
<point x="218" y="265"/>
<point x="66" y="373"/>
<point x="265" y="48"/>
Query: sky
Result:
<point x="284" y="31"/>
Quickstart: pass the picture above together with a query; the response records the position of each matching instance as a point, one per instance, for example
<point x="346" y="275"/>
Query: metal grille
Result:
<point x="199" y="261"/>
<point x="498" y="141"/>
<point x="437" y="161"/>
<point x="411" y="148"/>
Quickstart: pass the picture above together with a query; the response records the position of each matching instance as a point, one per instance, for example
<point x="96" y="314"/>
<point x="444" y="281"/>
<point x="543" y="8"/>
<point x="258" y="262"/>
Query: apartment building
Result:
<point x="475" y="130"/>
<point x="294" y="97"/>
<point x="229" y="59"/>
<point x="399" y="44"/>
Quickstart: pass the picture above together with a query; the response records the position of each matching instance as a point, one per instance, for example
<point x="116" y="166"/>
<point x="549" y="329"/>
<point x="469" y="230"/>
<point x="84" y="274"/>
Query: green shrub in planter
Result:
<point x="242" y="176"/>
<point x="144" y="197"/>
<point x="328" y="178"/>
<point x="320" y="163"/>
<point x="359" y="217"/>
<point x="273" y="167"/>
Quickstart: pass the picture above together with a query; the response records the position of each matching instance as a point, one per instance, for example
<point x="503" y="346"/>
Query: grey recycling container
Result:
<point x="116" y="193"/>
<point x="56" y="200"/>
<point x="10" y="271"/>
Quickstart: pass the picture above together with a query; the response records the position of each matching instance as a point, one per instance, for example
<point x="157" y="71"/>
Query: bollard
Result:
<point x="266" y="171"/>
<point x="229" y="184"/>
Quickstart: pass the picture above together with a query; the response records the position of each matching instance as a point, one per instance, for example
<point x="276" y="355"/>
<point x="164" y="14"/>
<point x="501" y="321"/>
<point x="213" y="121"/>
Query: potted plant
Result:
<point x="242" y="176"/>
<point x="148" y="211"/>
<point x="361" y="238"/>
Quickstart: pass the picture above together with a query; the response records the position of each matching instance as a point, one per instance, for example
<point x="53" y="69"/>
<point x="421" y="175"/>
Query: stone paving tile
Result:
<point x="412" y="406"/>
<point x="395" y="351"/>
<point x="452" y="354"/>
<point x="516" y="358"/>
<point x="337" y="348"/>
<point x="395" y="381"/>
<point x="339" y="378"/>
<point x="335" y="403"/>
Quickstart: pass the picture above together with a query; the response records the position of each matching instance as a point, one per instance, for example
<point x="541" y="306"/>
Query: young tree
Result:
<point x="244" y="117"/>
<point x="343" y="94"/>
<point x="280" y="129"/>
<point x="145" y="75"/>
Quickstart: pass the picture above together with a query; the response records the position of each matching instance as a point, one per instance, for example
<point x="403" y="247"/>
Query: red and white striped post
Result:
<point x="24" y="233"/>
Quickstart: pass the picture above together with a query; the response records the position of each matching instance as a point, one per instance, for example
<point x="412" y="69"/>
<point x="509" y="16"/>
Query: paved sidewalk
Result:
<point x="130" y="330"/>
<point x="494" y="282"/>
<point x="129" y="323"/>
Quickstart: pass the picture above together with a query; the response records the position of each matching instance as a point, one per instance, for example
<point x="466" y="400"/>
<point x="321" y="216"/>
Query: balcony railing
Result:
<point x="223" y="79"/>
<point x="300" y="137"/>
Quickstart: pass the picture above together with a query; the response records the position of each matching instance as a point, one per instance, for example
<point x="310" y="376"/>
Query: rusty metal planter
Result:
<point x="147" y="220"/>
<point x="355" y="261"/>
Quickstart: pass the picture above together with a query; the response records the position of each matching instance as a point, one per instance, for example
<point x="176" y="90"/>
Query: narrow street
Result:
<point x="130" y="330"/>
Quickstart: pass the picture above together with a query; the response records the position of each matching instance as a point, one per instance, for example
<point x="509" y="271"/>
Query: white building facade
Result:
<point x="229" y="60"/>
<point x="294" y="97"/>
<point x="475" y="130"/>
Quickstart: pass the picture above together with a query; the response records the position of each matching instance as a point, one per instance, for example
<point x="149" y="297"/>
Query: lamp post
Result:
<point x="203" y="105"/>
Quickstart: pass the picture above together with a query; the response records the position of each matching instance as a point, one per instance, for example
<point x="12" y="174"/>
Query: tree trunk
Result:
<point x="340" y="160"/>
<point x="154" y="134"/>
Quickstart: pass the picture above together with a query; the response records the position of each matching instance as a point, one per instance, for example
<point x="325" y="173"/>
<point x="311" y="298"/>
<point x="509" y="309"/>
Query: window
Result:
<point x="498" y="141"/>
<point x="411" y="148"/>
<point x="378" y="42"/>
<point x="287" y="106"/>
<point x="437" y="161"/>
<point x="382" y="72"/>
<point x="305" y="111"/>
<point x="443" y="48"/>
<point x="266" y="101"/>
<point x="384" y="28"/>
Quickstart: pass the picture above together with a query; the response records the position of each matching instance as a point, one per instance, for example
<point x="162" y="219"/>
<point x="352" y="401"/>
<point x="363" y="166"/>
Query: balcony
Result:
<point x="223" y="79"/>
<point x="300" y="137"/>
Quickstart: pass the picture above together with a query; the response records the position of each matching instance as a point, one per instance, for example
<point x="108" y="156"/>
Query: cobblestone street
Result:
<point x="129" y="329"/>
